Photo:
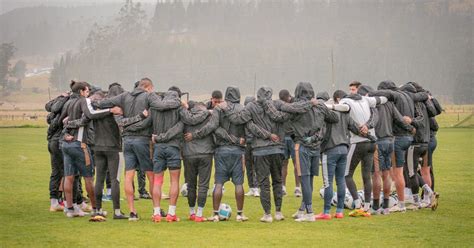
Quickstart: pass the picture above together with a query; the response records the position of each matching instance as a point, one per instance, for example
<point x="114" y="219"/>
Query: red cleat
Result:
<point x="322" y="216"/>
<point x="339" y="215"/>
<point x="199" y="219"/>
<point x="156" y="218"/>
<point x="192" y="217"/>
<point x="172" y="218"/>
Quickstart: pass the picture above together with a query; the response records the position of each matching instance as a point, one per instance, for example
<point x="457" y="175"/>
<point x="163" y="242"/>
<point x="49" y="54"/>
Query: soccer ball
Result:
<point x="348" y="201"/>
<point x="224" y="211"/>
<point x="184" y="190"/>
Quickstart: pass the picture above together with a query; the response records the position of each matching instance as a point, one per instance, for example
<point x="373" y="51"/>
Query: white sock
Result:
<point x="54" y="202"/>
<point x="157" y="211"/>
<point x="191" y="211"/>
<point x="357" y="204"/>
<point x="366" y="206"/>
<point x="172" y="210"/>
<point x="109" y="191"/>
<point x="199" y="212"/>
<point x="427" y="190"/>
<point x="118" y="212"/>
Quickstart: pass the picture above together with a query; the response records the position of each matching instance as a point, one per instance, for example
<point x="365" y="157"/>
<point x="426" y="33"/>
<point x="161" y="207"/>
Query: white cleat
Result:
<point x="279" y="216"/>
<point x="306" y="218"/>
<point x="267" y="218"/>
<point x="241" y="218"/>
<point x="298" y="214"/>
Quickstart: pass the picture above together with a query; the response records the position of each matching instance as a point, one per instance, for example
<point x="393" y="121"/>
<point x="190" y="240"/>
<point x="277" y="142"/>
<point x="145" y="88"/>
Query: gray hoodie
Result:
<point x="193" y="120"/>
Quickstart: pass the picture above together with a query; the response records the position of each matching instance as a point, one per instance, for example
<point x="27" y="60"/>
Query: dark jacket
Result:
<point x="133" y="103"/>
<point x="165" y="120"/>
<point x="54" y="107"/>
<point x="308" y="120"/>
<point x="389" y="117"/>
<point x="338" y="133"/>
<point x="195" y="119"/>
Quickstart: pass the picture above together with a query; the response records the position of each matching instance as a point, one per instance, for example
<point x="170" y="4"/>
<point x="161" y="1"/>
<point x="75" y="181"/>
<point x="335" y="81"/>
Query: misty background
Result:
<point x="205" y="45"/>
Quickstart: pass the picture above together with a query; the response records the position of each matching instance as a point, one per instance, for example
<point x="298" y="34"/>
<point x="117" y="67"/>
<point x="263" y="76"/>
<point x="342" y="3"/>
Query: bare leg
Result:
<point x="90" y="190"/>
<point x="156" y="192"/>
<point x="129" y="175"/>
<point x="239" y="197"/>
<point x="217" y="196"/>
<point x="174" y="186"/>
<point x="68" y="181"/>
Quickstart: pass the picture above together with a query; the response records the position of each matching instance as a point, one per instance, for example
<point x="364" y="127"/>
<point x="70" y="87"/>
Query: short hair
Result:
<point x="284" y="94"/>
<point x="76" y="87"/>
<point x="145" y="82"/>
<point x="176" y="89"/>
<point x="355" y="83"/>
<point x="217" y="94"/>
<point x="338" y="94"/>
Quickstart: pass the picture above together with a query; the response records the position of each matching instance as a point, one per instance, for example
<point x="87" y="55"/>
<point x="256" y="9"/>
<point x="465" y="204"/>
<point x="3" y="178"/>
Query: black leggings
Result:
<point x="266" y="166"/>
<point x="195" y="167"/>
<point x="107" y="161"/>
<point x="360" y="152"/>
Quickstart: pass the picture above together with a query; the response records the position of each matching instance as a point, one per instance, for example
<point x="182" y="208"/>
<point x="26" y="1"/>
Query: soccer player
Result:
<point x="198" y="150"/>
<point x="362" y="147"/>
<point x="54" y="107"/>
<point x="354" y="86"/>
<point x="249" y="163"/>
<point x="136" y="137"/>
<point x="334" y="156"/>
<point x="216" y="98"/>
<point x="289" y="148"/>
<point x="75" y="150"/>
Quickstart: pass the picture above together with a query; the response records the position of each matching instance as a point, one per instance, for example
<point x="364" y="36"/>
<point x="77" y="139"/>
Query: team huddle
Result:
<point x="390" y="131"/>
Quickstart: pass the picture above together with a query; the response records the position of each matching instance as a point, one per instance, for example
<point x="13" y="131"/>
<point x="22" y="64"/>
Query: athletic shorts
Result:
<point x="385" y="148"/>
<point x="166" y="157"/>
<point x="401" y="145"/>
<point x="136" y="152"/>
<point x="228" y="166"/>
<point x="75" y="161"/>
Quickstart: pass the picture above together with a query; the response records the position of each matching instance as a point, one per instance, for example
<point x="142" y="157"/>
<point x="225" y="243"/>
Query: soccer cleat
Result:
<point x="298" y="192"/>
<point x="375" y="212"/>
<point x="200" y="219"/>
<point x="98" y="212"/>
<point x="256" y="192"/>
<point x="241" y="218"/>
<point x="359" y="213"/>
<point x="267" y="218"/>
<point x="298" y="214"/>
<point x="79" y="211"/>
<point x="214" y="218"/>
<point x="156" y="218"/>
<point x="71" y="214"/>
<point x="339" y="215"/>
<point x="279" y="216"/>
<point x="323" y="216"/>
<point x="133" y="217"/>
<point x="97" y="218"/>
<point x="251" y="192"/>
<point x="192" y="217"/>
<point x="172" y="218"/>
<point x="306" y="218"/>
<point x="412" y="207"/>
<point x="120" y="217"/>
<point x="85" y="207"/>
<point x="434" y="201"/>
<point x="386" y="211"/>
<point x="56" y="208"/>
<point x="145" y="196"/>
<point x="396" y="208"/>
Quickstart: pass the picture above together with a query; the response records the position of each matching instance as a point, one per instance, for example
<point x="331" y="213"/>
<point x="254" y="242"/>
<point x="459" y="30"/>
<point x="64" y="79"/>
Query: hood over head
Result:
<point x="264" y="94"/>
<point x="232" y="94"/>
<point x="408" y="88"/>
<point x="323" y="96"/>
<point x="364" y="90"/>
<point x="417" y="86"/>
<point x="304" y="90"/>
<point x="115" y="89"/>
<point x="387" y="85"/>
<point x="249" y="99"/>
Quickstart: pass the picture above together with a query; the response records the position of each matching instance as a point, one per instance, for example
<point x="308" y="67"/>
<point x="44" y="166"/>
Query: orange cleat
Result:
<point x="199" y="219"/>
<point x="322" y="216"/>
<point x="156" y="218"/>
<point x="172" y="218"/>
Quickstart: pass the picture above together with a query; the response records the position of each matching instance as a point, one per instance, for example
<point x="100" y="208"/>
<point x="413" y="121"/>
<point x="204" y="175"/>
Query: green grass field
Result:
<point x="26" y="221"/>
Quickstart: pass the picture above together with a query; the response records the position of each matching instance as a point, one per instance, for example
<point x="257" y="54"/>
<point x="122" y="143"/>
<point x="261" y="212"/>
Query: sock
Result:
<point x="402" y="204"/>
<point x="70" y="209"/>
<point x="357" y="203"/>
<point x="301" y="209"/>
<point x="157" y="211"/>
<point x="191" y="210"/>
<point x="416" y="199"/>
<point x="118" y="212"/>
<point x="54" y="202"/>
<point x="385" y="203"/>
<point x="427" y="190"/>
<point x="309" y="208"/>
<point x="326" y="211"/>
<point x="172" y="210"/>
<point x="239" y="212"/>
<point x="339" y="210"/>
<point x="376" y="204"/>
<point x="366" y="206"/>
<point x="199" y="211"/>
<point x="109" y="191"/>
